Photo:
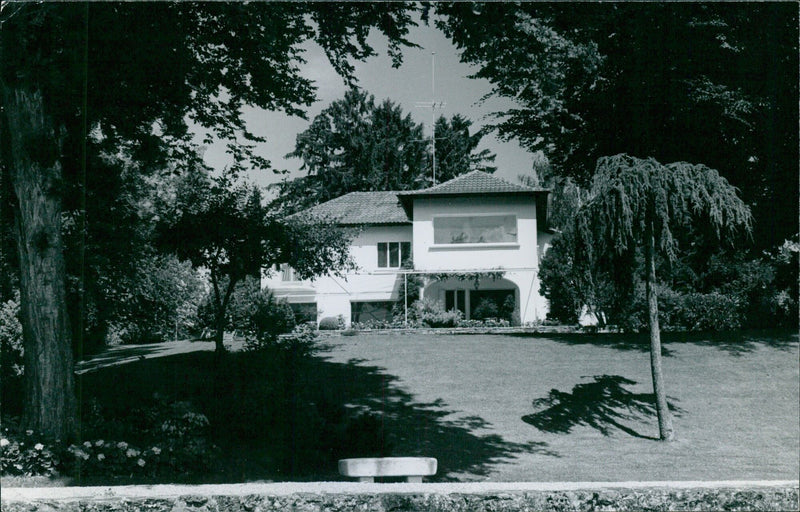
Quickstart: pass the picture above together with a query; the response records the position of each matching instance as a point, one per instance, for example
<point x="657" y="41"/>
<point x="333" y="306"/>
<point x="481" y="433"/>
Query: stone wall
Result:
<point x="771" y="497"/>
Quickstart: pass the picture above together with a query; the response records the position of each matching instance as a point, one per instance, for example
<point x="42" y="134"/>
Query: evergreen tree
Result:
<point x="640" y="203"/>
<point x="356" y="144"/>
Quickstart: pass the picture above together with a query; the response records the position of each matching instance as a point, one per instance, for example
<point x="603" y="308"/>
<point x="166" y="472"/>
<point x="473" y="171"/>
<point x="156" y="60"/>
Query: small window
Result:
<point x="479" y="229"/>
<point x="393" y="254"/>
<point x="383" y="255"/>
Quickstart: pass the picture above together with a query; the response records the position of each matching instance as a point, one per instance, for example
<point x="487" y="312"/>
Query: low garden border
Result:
<point x="436" y="497"/>
<point x="554" y="329"/>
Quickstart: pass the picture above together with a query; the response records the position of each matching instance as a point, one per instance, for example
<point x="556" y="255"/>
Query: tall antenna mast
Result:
<point x="433" y="105"/>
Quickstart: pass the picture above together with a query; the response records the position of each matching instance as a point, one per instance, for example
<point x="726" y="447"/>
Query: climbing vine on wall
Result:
<point x="475" y="277"/>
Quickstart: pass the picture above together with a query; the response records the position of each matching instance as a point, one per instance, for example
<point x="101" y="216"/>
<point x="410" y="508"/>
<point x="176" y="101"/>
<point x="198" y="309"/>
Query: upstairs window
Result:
<point x="393" y="254"/>
<point x="287" y="273"/>
<point x="475" y="229"/>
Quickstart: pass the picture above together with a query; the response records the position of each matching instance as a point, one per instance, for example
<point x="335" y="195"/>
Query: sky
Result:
<point x="406" y="85"/>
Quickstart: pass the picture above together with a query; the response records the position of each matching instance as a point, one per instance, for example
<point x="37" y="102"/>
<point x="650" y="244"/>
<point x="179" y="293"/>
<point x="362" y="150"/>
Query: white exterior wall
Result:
<point x="369" y="283"/>
<point x="333" y="294"/>
<point x="520" y="259"/>
<point x="428" y="256"/>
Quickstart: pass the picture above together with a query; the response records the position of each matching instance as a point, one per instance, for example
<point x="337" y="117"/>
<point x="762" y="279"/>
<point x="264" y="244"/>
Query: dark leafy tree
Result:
<point x="79" y="79"/>
<point x="356" y="144"/>
<point x="222" y="226"/>
<point x="640" y="203"/>
<point x="457" y="150"/>
<point x="713" y="82"/>
<point x="107" y="227"/>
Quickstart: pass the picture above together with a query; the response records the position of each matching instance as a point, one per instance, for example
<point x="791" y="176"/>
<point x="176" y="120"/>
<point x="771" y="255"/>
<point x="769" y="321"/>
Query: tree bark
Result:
<point x="662" y="409"/>
<point x="220" y="306"/>
<point x="36" y="176"/>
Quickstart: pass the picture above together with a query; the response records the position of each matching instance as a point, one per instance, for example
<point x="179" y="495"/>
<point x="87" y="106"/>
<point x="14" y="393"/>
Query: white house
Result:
<point x="473" y="226"/>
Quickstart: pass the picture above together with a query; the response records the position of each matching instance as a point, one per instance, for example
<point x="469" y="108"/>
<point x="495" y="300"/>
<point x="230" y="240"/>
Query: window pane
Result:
<point x="405" y="251"/>
<point x="394" y="254"/>
<point x="449" y="299"/>
<point x="382" y="254"/>
<point x="379" y="311"/>
<point x="475" y="230"/>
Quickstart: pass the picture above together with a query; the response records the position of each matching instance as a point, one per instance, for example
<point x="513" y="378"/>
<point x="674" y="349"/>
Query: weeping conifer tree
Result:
<point x="640" y="203"/>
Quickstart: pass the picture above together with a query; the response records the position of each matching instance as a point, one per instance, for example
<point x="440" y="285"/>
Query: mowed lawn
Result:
<point x="468" y="400"/>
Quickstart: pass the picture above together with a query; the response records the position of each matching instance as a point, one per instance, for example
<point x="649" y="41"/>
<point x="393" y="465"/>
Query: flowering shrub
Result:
<point x="173" y="440"/>
<point x="432" y="314"/>
<point x="26" y="454"/>
<point x="113" y="458"/>
<point x="11" y="354"/>
<point x="397" y="323"/>
<point x="486" y="322"/>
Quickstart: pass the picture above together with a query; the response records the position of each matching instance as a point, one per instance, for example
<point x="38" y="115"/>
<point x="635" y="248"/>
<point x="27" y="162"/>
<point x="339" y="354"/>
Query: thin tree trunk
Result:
<point x="36" y="175"/>
<point x="221" y="305"/>
<point x="662" y="409"/>
<point x="219" y="332"/>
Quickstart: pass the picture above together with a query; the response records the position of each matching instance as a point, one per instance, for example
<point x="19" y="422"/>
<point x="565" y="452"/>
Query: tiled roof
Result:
<point x="475" y="182"/>
<point x="358" y="208"/>
<point x="392" y="207"/>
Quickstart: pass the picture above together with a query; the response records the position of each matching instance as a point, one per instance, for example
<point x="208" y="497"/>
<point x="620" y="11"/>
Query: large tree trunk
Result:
<point x="36" y="176"/>
<point x="664" y="416"/>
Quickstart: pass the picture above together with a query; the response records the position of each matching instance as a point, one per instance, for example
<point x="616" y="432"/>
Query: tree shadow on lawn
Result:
<point x="734" y="343"/>
<point x="624" y="342"/>
<point x="602" y="404"/>
<point x="119" y="355"/>
<point x="741" y="342"/>
<point x="278" y="418"/>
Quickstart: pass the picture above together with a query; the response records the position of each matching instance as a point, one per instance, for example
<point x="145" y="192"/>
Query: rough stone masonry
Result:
<point x="346" y="496"/>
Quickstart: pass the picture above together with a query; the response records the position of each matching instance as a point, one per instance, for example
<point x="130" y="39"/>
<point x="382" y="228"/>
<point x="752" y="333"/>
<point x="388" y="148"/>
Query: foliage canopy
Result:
<point x="358" y="144"/>
<point x="709" y="82"/>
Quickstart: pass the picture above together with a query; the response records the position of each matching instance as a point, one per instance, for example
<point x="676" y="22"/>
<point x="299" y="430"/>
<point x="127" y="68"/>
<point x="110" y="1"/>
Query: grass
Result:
<point x="488" y="407"/>
<point x="736" y="403"/>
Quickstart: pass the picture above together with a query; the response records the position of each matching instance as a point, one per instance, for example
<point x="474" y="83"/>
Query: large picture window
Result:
<point x="393" y="254"/>
<point x="477" y="229"/>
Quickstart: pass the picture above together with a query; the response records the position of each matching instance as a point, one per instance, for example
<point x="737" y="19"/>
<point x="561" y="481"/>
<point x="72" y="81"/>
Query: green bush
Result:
<point x="239" y="313"/>
<point x="157" y="303"/>
<point x="251" y="311"/>
<point x="557" y="280"/>
<point x="331" y="323"/>
<point x="687" y="311"/>
<point x="431" y="313"/>
<point x="486" y="308"/>
<point x="711" y="312"/>
<point x="268" y="319"/>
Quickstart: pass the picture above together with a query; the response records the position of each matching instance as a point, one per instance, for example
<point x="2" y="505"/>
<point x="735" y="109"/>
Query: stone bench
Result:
<point x="366" y="469"/>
